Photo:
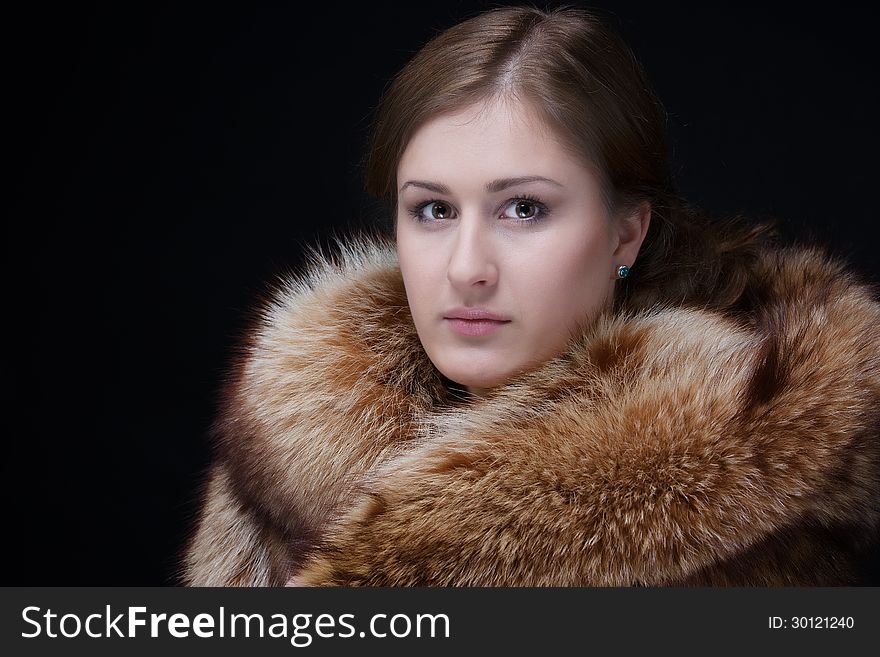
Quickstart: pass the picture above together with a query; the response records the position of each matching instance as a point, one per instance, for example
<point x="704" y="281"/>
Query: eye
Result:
<point x="437" y="210"/>
<point x="528" y="209"/>
<point x="524" y="209"/>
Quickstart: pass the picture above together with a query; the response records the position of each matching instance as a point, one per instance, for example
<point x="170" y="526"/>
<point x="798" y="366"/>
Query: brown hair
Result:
<point x="591" y="90"/>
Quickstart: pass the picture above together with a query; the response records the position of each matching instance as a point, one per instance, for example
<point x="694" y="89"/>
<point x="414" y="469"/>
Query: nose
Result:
<point x="472" y="261"/>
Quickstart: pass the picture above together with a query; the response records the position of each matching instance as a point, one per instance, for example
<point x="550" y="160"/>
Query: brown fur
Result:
<point x="669" y="445"/>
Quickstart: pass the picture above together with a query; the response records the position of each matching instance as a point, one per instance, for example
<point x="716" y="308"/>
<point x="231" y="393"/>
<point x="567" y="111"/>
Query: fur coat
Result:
<point x="670" y="444"/>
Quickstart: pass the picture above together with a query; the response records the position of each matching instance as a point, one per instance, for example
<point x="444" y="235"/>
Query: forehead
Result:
<point x="486" y="139"/>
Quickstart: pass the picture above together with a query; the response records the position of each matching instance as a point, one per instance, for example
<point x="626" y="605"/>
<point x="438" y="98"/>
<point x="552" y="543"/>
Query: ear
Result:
<point x="631" y="230"/>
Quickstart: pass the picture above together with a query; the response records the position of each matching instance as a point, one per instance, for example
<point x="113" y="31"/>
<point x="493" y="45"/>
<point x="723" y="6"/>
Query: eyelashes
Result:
<point x="540" y="213"/>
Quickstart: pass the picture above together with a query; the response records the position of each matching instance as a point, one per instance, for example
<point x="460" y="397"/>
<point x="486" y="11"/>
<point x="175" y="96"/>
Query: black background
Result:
<point x="168" y="161"/>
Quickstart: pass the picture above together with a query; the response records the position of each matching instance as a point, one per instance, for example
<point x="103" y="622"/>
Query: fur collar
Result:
<point x="670" y="444"/>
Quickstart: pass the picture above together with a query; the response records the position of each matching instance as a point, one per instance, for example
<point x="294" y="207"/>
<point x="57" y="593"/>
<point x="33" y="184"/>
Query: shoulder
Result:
<point x="331" y="356"/>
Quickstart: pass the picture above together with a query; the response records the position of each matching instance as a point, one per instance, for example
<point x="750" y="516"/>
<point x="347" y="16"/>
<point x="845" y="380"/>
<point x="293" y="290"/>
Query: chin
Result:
<point x="480" y="370"/>
<point x="471" y="379"/>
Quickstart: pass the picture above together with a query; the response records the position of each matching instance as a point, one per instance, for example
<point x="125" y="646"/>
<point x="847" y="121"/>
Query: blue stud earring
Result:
<point x="622" y="271"/>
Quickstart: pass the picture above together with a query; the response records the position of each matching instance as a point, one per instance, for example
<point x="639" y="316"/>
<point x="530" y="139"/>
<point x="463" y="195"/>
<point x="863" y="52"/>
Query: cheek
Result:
<point x="573" y="283"/>
<point x="420" y="282"/>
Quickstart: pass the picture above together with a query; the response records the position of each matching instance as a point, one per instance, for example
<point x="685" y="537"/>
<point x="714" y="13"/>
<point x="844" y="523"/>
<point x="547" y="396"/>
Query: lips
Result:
<point x="474" y="321"/>
<point x="475" y="314"/>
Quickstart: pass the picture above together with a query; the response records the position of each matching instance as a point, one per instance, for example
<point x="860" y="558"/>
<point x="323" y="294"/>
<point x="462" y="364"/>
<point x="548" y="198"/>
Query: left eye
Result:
<point x="523" y="209"/>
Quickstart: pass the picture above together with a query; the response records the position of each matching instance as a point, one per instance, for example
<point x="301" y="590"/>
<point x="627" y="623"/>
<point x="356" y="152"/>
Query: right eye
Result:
<point x="438" y="210"/>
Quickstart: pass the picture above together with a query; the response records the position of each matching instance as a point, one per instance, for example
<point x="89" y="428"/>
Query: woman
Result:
<point x="556" y="372"/>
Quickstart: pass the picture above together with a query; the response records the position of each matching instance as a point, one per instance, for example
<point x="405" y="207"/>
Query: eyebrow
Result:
<point x="492" y="187"/>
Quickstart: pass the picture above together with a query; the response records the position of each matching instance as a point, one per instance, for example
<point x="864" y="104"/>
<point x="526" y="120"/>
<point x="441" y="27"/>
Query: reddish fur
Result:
<point x="670" y="444"/>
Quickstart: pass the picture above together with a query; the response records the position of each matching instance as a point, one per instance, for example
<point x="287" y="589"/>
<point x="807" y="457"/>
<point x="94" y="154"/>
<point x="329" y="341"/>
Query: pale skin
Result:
<point x="476" y="248"/>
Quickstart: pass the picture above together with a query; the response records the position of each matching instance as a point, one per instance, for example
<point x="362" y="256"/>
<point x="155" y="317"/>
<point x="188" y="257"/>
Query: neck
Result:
<point x="477" y="392"/>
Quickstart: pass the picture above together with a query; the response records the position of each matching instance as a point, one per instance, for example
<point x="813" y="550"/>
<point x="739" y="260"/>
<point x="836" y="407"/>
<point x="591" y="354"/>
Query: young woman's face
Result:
<point x="540" y="254"/>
